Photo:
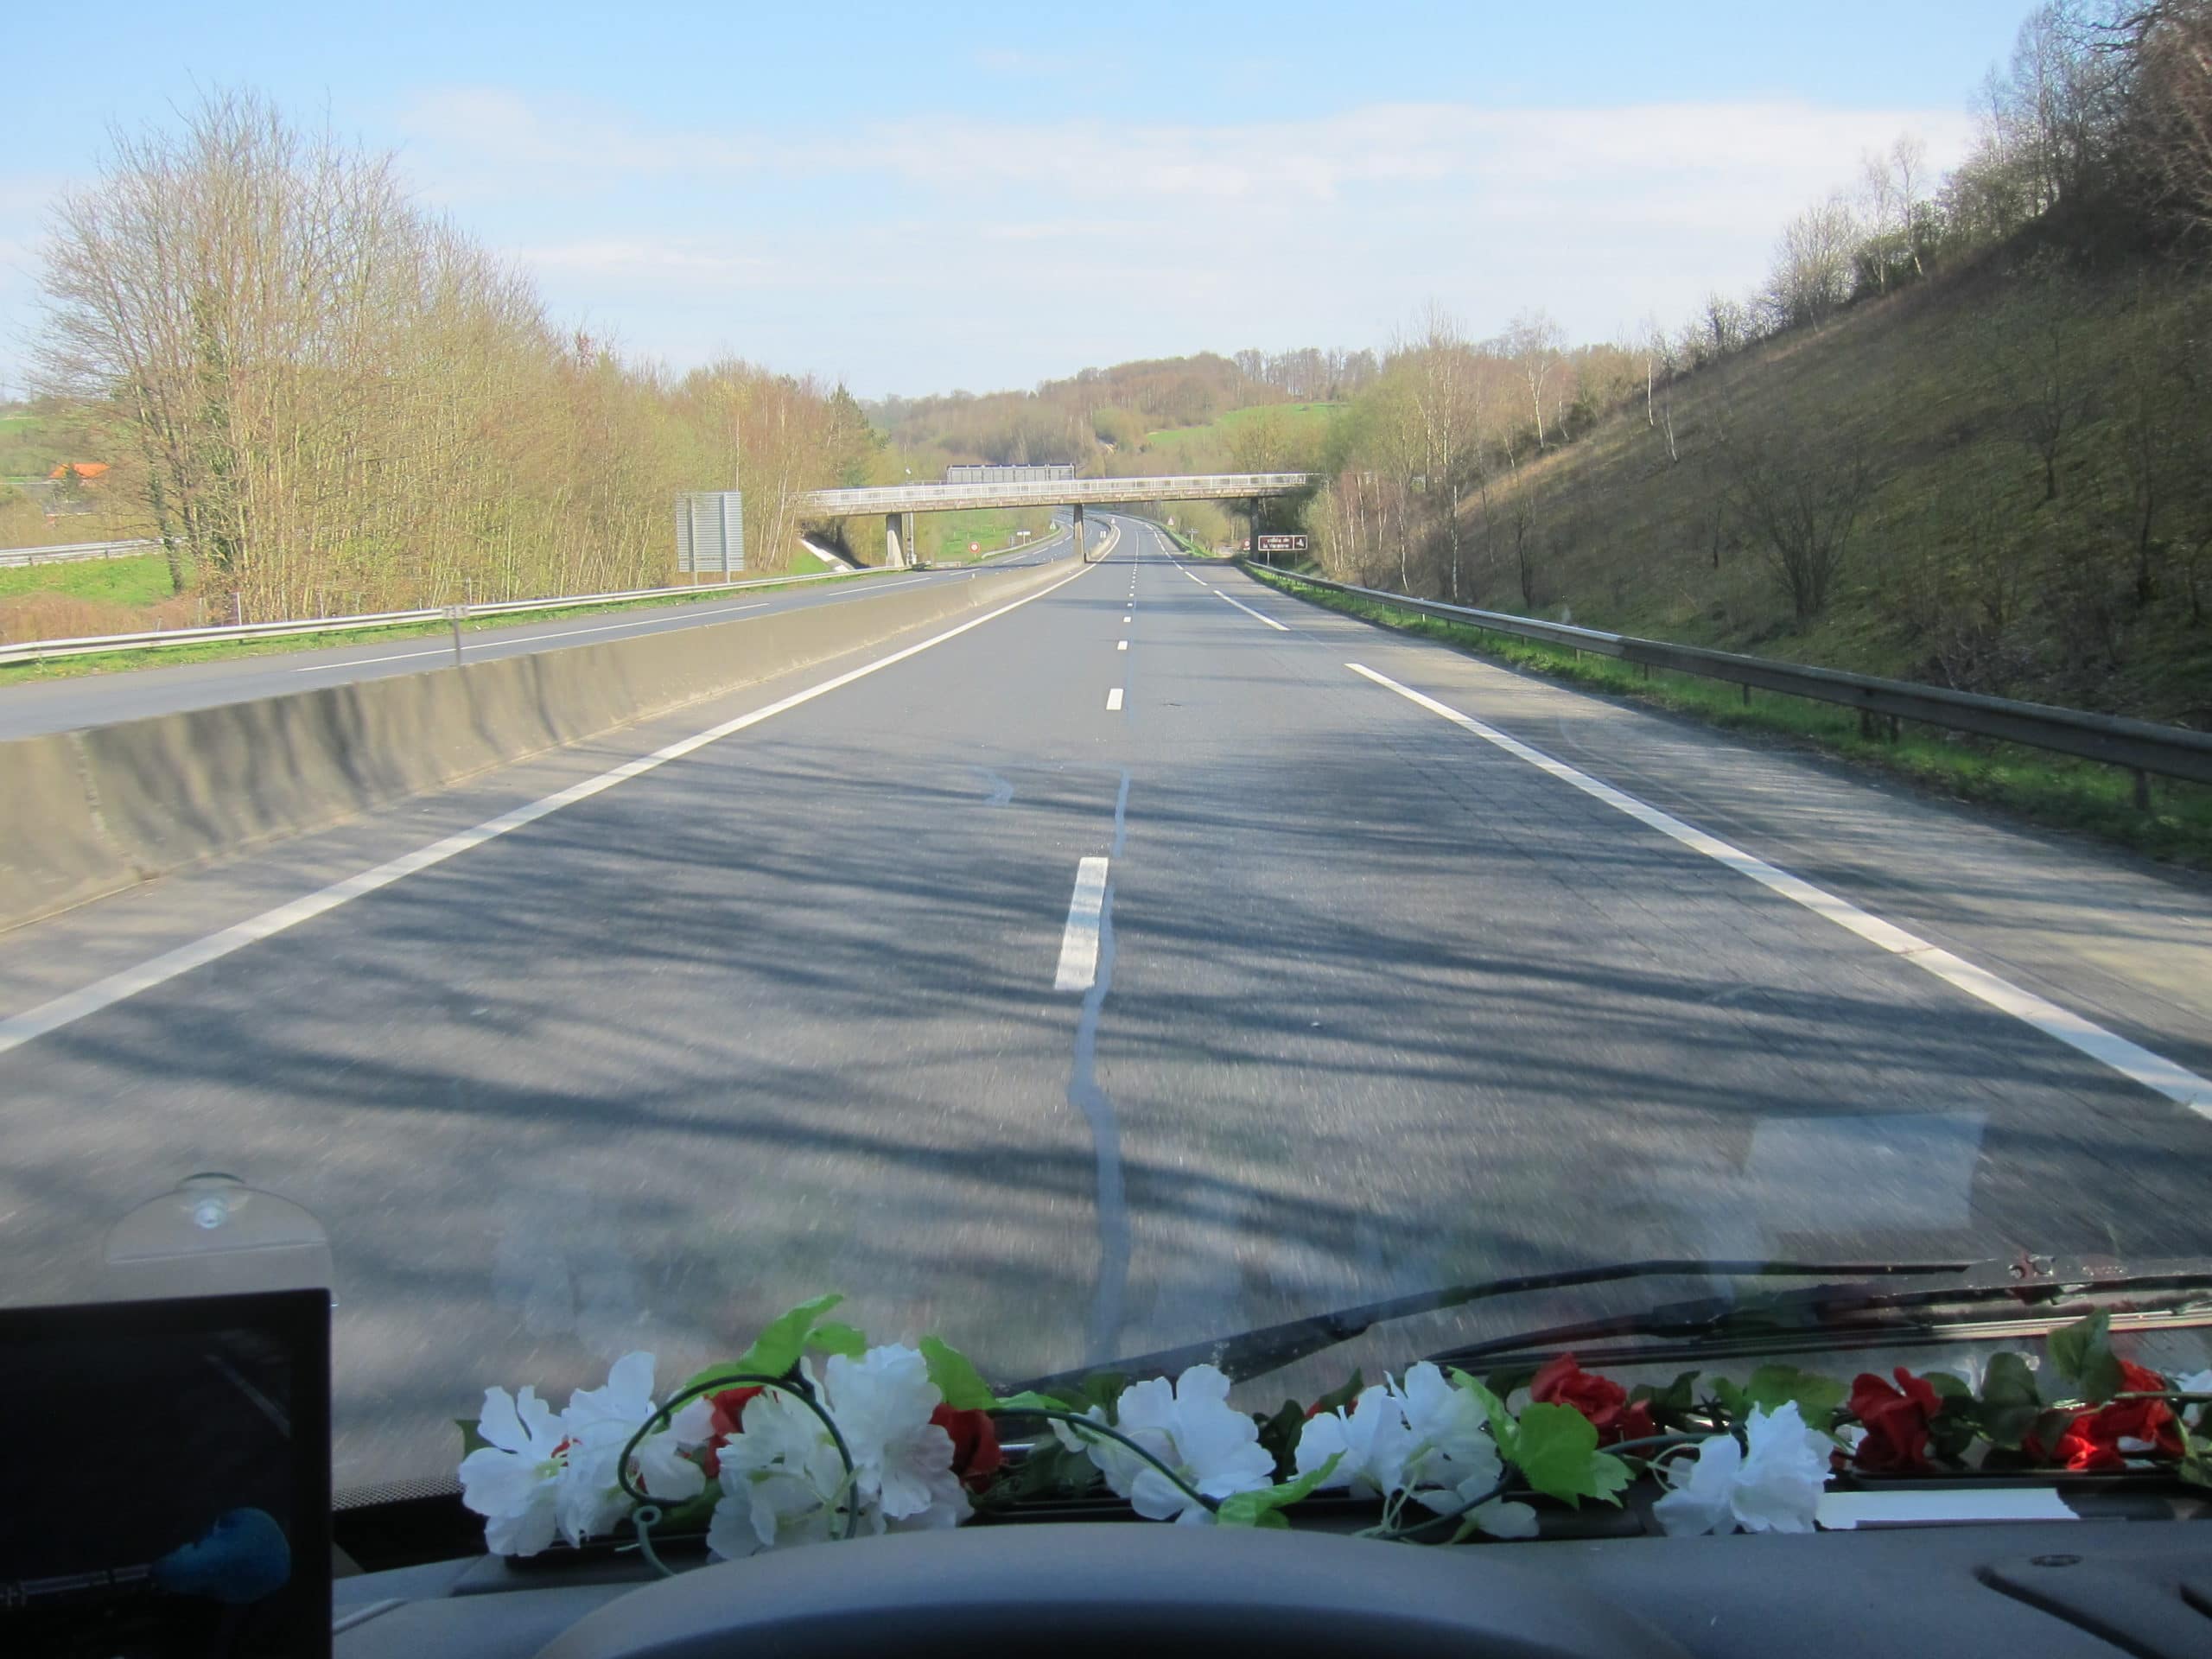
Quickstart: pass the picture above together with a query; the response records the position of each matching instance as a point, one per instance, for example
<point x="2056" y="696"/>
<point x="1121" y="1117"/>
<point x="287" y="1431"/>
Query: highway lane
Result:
<point x="1356" y="1004"/>
<point x="33" y="707"/>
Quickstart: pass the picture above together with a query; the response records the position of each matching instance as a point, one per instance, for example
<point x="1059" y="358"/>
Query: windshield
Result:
<point x="1101" y="707"/>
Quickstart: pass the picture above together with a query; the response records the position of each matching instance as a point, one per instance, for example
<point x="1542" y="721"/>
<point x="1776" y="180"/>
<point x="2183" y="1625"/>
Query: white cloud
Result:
<point x="964" y="249"/>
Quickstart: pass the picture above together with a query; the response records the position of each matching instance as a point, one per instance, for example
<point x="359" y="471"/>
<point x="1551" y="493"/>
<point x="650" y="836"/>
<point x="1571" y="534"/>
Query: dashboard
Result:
<point x="2092" y="1589"/>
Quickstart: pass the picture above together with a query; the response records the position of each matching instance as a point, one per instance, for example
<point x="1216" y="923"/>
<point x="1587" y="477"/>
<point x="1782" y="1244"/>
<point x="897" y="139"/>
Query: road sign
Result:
<point x="1283" y="543"/>
<point x="709" y="532"/>
<point x="975" y="547"/>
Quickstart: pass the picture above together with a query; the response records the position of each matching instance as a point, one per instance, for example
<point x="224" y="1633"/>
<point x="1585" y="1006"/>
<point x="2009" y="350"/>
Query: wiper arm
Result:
<point x="1272" y="1347"/>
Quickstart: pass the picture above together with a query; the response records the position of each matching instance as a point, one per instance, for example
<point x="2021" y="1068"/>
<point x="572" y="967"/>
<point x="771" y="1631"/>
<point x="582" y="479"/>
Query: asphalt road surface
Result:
<point x="1122" y="971"/>
<point x="33" y="707"/>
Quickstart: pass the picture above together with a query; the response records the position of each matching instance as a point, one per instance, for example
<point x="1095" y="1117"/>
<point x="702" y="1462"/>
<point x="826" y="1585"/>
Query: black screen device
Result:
<point x="167" y="1485"/>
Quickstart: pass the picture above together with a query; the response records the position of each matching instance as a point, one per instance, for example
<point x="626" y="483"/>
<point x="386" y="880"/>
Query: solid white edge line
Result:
<point x="1078" y="966"/>
<point x="1114" y="700"/>
<point x="1248" y="611"/>
<point x="33" y="1023"/>
<point x="2137" y="1064"/>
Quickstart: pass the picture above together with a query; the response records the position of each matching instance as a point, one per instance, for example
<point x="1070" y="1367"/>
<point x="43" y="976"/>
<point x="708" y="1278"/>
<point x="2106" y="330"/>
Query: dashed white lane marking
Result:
<point x="1121" y="644"/>
<point x="1248" y="611"/>
<point x="1079" y="941"/>
<point x="35" y="1023"/>
<point x="2137" y="1064"/>
<point x="1114" y="700"/>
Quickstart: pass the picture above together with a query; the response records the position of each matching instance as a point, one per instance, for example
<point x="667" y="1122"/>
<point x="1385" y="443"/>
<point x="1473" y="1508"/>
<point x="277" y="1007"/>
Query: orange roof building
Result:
<point x="82" y="469"/>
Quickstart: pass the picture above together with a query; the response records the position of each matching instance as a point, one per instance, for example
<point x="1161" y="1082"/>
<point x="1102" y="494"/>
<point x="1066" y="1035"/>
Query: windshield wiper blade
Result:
<point x="1995" y="1290"/>
<point x="1256" y="1353"/>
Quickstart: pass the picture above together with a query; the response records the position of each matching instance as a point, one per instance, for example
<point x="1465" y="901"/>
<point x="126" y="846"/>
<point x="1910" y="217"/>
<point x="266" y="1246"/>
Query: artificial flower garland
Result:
<point x="775" y="1448"/>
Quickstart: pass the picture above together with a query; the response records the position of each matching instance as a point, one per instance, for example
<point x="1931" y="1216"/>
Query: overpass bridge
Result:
<point x="898" y="503"/>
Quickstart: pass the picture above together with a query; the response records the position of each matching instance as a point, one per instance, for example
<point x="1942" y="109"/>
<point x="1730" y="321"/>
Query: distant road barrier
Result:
<point x="2142" y="746"/>
<point x="93" y="811"/>
<point x="62" y="552"/>
<point x="39" y="650"/>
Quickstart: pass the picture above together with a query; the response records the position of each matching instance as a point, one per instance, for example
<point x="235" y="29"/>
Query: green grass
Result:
<point x="1206" y="448"/>
<point x="944" y="536"/>
<point x="168" y="656"/>
<point x="1931" y="385"/>
<point x="2052" y="790"/>
<point x="139" y="580"/>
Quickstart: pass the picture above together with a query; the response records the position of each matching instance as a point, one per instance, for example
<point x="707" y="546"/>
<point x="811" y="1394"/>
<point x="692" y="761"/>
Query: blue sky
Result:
<point x="914" y="199"/>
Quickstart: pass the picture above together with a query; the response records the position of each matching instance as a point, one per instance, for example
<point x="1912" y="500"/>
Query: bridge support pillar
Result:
<point x="1081" y="556"/>
<point x="895" y="549"/>
<point x="1252" y="517"/>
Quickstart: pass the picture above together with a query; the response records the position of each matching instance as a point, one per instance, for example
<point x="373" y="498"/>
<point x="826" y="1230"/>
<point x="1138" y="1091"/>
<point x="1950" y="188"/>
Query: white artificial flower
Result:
<point x="782" y="1480"/>
<point x="1495" y="1515"/>
<point x="599" y="1422"/>
<point x="513" y="1482"/>
<point x="901" y="1460"/>
<point x="1450" y="1426"/>
<point x="1370" y="1443"/>
<point x="1193" y="1429"/>
<point x="2194" y="1383"/>
<point x="1775" y="1486"/>
<point x="1778" y="1489"/>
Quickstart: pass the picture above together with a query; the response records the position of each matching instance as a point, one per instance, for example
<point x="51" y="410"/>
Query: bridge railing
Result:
<point x="922" y="498"/>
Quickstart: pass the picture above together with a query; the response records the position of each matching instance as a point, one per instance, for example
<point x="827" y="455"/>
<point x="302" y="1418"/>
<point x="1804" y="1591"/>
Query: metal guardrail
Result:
<point x="38" y="651"/>
<point x="2141" y="746"/>
<point x="62" y="552"/>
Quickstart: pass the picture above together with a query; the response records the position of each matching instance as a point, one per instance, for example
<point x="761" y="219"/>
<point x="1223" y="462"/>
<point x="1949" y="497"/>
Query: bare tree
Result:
<point x="1813" y="263"/>
<point x="1894" y="185"/>
<point x="2031" y="340"/>
<point x="1447" y="395"/>
<point x="2172" y="99"/>
<point x="1534" y="344"/>
<point x="1800" y="496"/>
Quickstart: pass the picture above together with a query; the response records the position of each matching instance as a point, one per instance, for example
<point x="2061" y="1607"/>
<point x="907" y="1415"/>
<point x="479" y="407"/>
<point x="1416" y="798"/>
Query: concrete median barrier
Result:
<point x="90" y="812"/>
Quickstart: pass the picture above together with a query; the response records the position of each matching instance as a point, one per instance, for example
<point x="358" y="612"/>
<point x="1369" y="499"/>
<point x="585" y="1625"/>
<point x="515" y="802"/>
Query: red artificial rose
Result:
<point x="1895" y="1419"/>
<point x="1604" y="1402"/>
<point x="726" y="1417"/>
<point x="2092" y="1438"/>
<point x="975" y="1454"/>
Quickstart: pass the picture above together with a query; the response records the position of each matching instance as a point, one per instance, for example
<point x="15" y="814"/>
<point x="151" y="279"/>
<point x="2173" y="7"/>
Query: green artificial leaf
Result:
<point x="832" y="1338"/>
<point x="958" y="1381"/>
<point x="779" y="1344"/>
<point x="2010" y="1403"/>
<point x="1678" y="1397"/>
<point x="1102" y="1389"/>
<point x="2083" y="1352"/>
<point x="1950" y="1387"/>
<point x="1493" y="1405"/>
<point x="1339" y="1398"/>
<point x="2196" y="1459"/>
<point x="1272" y="1521"/>
<point x="1772" y="1387"/>
<point x="694" y="1514"/>
<point x="470" y="1439"/>
<point x="1248" y="1509"/>
<point x="1502" y="1383"/>
<point x="1556" y="1448"/>
<point x="1280" y="1434"/>
<point x="1030" y="1400"/>
<point x="1050" y="1470"/>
